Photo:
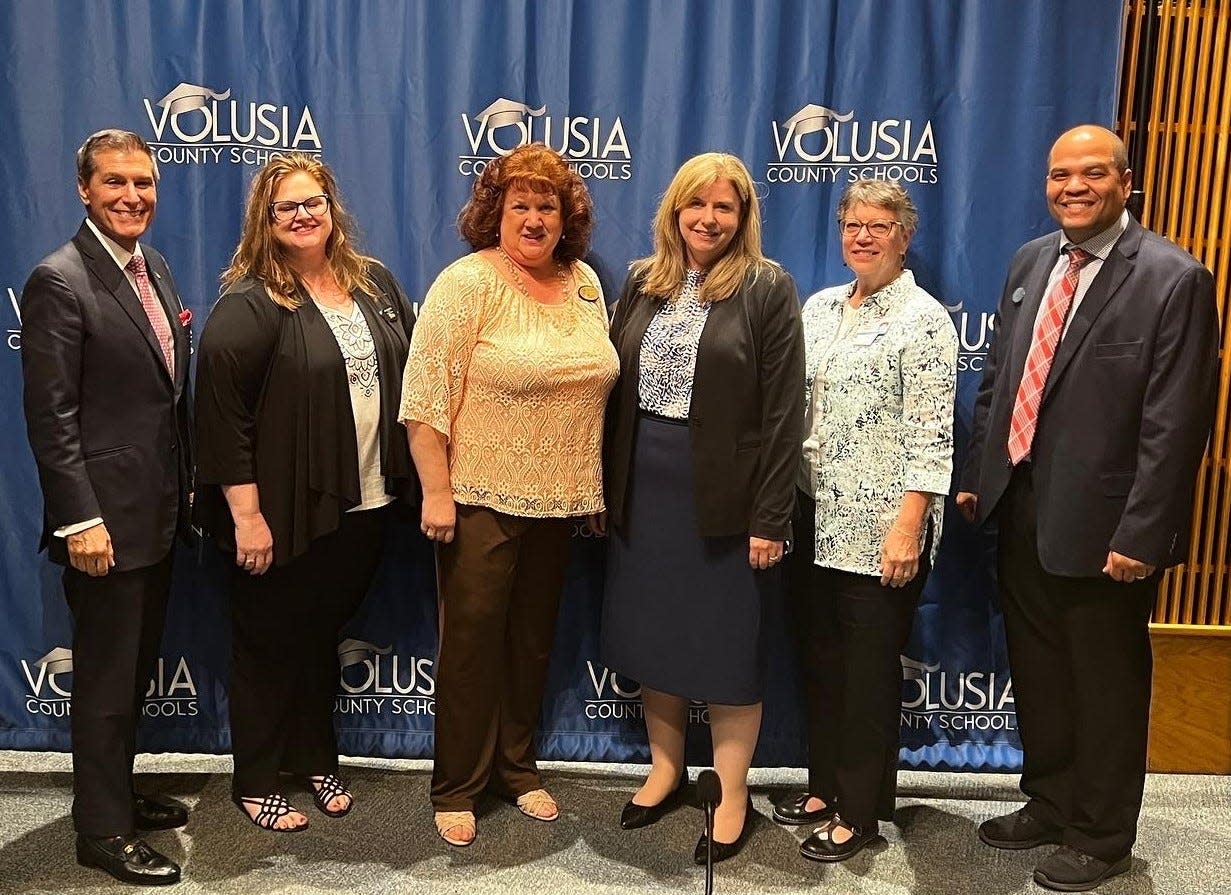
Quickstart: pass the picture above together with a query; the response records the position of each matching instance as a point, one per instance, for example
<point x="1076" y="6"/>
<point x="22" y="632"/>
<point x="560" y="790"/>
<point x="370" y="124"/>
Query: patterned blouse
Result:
<point x="517" y="386"/>
<point x="880" y="404"/>
<point x="669" y="351"/>
<point x="363" y="377"/>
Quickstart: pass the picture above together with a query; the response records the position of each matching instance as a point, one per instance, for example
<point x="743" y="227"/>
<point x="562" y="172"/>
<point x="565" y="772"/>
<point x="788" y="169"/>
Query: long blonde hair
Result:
<point x="664" y="271"/>
<point x="259" y="255"/>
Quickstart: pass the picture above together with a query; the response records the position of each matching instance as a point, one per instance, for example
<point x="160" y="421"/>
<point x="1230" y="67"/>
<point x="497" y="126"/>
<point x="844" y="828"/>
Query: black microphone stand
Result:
<point x="709" y="793"/>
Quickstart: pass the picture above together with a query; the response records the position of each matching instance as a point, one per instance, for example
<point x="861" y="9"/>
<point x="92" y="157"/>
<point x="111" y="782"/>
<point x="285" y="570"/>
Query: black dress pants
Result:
<point x="284" y="654"/>
<point x="1079" y="650"/>
<point x="118" y="620"/>
<point x="852" y="630"/>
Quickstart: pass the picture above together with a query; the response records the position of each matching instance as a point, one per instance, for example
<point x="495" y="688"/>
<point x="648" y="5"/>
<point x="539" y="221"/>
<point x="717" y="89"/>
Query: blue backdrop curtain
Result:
<point x="958" y="99"/>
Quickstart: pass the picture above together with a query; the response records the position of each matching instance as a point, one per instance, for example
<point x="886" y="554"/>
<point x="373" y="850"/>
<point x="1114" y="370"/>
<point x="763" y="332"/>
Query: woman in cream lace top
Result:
<point x="503" y="400"/>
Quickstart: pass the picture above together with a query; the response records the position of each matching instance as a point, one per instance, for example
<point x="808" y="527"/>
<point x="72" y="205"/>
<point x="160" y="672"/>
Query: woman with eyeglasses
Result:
<point x="876" y="461"/>
<point x="300" y="457"/>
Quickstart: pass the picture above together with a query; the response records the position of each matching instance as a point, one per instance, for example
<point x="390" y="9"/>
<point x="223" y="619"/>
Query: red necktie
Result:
<point x="153" y="310"/>
<point x="1047" y="332"/>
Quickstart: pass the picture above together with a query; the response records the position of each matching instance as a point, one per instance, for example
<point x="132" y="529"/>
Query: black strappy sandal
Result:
<point x="327" y="788"/>
<point x="273" y="807"/>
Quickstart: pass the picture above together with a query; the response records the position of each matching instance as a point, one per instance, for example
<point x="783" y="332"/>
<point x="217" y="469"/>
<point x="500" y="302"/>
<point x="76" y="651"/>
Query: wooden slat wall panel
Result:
<point x="1187" y="185"/>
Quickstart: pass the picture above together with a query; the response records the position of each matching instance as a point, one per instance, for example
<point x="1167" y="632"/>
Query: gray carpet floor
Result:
<point x="388" y="844"/>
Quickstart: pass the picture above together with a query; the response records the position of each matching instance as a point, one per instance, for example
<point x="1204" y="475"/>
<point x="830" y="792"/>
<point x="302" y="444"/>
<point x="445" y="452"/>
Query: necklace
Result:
<point x="327" y="293"/>
<point x="562" y="274"/>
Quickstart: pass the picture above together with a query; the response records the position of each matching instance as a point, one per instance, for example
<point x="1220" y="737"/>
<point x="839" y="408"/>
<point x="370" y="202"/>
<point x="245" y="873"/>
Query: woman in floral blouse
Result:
<point x="876" y="464"/>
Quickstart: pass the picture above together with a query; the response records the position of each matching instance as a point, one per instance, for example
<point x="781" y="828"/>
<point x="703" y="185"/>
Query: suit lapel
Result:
<point x="634" y="331"/>
<point x="1111" y="276"/>
<point x="1032" y="287"/>
<point x="103" y="267"/>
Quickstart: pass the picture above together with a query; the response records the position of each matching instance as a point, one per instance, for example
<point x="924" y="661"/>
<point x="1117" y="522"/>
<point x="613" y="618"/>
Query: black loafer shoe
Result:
<point x="820" y="846"/>
<point x="155" y="813"/>
<point x="1017" y="830"/>
<point x="724" y="850"/>
<point x="791" y="811"/>
<point x="128" y="859"/>
<point x="1069" y="870"/>
<point x="634" y="816"/>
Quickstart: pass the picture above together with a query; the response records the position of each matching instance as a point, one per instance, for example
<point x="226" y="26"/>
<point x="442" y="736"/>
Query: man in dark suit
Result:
<point x="105" y="349"/>
<point x="1096" y="403"/>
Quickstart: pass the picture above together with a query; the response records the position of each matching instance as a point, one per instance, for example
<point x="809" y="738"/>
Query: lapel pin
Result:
<point x="1018" y="294"/>
<point x="588" y="292"/>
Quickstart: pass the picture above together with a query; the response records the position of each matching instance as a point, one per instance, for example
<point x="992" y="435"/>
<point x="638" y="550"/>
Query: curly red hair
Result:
<point x="537" y="168"/>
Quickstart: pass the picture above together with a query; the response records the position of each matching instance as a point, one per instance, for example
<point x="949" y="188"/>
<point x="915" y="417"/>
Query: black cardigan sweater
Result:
<point x="273" y="407"/>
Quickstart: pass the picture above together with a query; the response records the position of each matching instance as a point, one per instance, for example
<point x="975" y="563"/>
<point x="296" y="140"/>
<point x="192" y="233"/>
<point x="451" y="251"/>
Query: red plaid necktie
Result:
<point x="1043" y="344"/>
<point x="153" y="310"/>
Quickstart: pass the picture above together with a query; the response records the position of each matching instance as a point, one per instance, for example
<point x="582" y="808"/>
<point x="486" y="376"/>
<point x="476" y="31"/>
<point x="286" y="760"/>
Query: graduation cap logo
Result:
<point x="506" y="111"/>
<point x="356" y="652"/>
<point x="913" y="670"/>
<point x="813" y="118"/>
<point x="58" y="661"/>
<point x="187" y="97"/>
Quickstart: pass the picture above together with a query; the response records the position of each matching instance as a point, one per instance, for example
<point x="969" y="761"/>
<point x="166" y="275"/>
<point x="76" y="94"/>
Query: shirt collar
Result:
<point x="1099" y="245"/>
<point x="118" y="253"/>
<point x="903" y="284"/>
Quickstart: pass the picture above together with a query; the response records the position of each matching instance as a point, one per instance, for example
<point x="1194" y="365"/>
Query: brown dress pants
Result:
<point x="499" y="583"/>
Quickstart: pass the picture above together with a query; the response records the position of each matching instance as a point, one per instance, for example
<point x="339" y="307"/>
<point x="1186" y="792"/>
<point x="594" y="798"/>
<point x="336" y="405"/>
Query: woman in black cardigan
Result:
<point x="301" y="454"/>
<point x="699" y="461"/>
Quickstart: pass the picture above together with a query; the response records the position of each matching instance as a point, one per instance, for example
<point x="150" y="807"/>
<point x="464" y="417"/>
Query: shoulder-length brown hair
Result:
<point x="663" y="272"/>
<point x="539" y="169"/>
<point x="259" y="255"/>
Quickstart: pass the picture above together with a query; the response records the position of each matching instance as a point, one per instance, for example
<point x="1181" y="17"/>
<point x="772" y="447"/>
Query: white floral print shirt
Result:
<point x="882" y="423"/>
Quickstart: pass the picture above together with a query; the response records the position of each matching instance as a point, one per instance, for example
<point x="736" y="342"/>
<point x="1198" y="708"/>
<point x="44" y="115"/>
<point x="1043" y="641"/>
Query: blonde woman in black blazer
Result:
<point x="700" y="456"/>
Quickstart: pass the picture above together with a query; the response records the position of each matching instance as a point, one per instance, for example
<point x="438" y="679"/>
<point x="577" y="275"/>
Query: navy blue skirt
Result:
<point x="682" y="614"/>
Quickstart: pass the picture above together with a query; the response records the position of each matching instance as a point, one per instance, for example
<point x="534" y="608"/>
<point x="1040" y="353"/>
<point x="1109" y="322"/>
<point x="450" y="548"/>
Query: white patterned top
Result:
<point x="669" y="351"/>
<point x="880" y="399"/>
<point x="363" y="376"/>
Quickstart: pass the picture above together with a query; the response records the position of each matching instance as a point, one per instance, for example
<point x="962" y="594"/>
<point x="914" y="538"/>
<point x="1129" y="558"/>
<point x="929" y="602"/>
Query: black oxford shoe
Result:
<point x="128" y="859"/>
<point x="154" y="813"/>
<point x="1069" y="870"/>
<point x="724" y="850"/>
<point x="1017" y="830"/>
<point x="634" y="816"/>
<point x="792" y="811"/>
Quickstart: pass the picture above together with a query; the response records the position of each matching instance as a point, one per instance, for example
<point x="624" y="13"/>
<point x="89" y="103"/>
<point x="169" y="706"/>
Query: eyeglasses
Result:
<point x="286" y="210"/>
<point x="876" y="229"/>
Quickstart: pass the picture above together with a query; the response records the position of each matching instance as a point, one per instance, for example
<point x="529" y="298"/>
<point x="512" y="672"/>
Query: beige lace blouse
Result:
<point x="518" y="388"/>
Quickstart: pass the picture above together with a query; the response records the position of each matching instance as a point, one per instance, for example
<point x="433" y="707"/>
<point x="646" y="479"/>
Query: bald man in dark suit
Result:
<point x="1096" y="404"/>
<point x="105" y="347"/>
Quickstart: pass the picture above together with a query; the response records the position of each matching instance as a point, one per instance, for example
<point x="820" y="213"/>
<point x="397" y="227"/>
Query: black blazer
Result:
<point x="107" y="423"/>
<point x="747" y="414"/>
<point x="1126" y="411"/>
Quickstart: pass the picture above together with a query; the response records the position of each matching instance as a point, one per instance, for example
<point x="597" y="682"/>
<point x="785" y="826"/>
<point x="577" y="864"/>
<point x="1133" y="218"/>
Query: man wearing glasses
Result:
<point x="1096" y="402"/>
<point x="105" y="360"/>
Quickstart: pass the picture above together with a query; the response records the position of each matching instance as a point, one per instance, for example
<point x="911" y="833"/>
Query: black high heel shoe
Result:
<point x="634" y="816"/>
<point x="724" y="850"/>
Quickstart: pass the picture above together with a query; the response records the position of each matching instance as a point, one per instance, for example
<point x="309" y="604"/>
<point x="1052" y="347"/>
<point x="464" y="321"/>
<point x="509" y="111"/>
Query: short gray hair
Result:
<point x="884" y="194"/>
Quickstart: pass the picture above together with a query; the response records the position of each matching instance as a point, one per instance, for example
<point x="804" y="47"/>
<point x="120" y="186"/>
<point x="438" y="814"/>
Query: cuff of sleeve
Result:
<point x="927" y="483"/>
<point x="77" y="527"/>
